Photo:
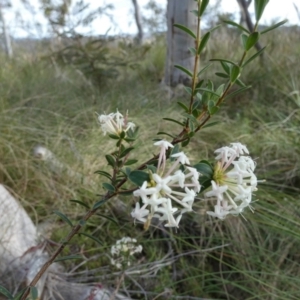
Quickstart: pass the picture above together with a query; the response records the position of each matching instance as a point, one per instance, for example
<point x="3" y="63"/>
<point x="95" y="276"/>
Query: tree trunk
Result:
<point x="179" y="42"/>
<point x="138" y="18"/>
<point x="7" y="42"/>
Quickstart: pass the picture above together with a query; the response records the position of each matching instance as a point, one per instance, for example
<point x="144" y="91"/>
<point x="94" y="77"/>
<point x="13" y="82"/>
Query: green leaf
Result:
<point x="138" y="177"/>
<point x="185" y="29"/>
<point x="109" y="187"/>
<point x="213" y="110"/>
<point x="103" y="173"/>
<point x="185" y="142"/>
<point x="244" y="38"/>
<point x="20" y="294"/>
<point x="69" y="257"/>
<point x="203" y="6"/>
<point x="237" y="92"/>
<point x="273" y="26"/>
<point x="208" y="91"/>
<point x="162" y="132"/>
<point x="99" y="203"/>
<point x="6" y="293"/>
<point x="223" y="75"/>
<point x="193" y="51"/>
<point x="33" y="293"/>
<point x="225" y="67"/>
<point x="203" y="70"/>
<point x="188" y="90"/>
<point x="210" y="124"/>
<point x="80" y="203"/>
<point x="130" y="162"/>
<point x="204" y="168"/>
<point x="91" y="237"/>
<point x="234" y="73"/>
<point x="126" y="151"/>
<point x="224" y="60"/>
<point x="186" y="71"/>
<point x="251" y="40"/>
<point x="195" y="12"/>
<point x="152" y="168"/>
<point x="203" y="42"/>
<point x="63" y="217"/>
<point x="236" y="25"/>
<point x="110" y="160"/>
<point x="174" y="121"/>
<point x="127" y="171"/>
<point x="259" y="6"/>
<point x="113" y="136"/>
<point x="240" y="83"/>
<point x="108" y="218"/>
<point x="254" y="56"/>
<point x="183" y="106"/>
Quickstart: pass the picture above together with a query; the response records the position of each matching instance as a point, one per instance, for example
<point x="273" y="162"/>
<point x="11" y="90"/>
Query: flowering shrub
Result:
<point x="167" y="184"/>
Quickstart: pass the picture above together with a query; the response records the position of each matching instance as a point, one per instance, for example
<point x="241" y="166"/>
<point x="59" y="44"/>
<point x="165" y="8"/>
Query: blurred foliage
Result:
<point x="53" y="103"/>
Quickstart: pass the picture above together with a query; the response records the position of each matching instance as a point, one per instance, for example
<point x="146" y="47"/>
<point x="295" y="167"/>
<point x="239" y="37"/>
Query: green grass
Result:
<point x="252" y="258"/>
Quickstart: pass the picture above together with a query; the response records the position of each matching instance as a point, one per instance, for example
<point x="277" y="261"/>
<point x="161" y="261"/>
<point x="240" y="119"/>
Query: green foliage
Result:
<point x="234" y="259"/>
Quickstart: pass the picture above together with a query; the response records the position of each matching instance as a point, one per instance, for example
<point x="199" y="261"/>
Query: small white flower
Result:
<point x="234" y="180"/>
<point x="114" y="123"/>
<point x="139" y="213"/>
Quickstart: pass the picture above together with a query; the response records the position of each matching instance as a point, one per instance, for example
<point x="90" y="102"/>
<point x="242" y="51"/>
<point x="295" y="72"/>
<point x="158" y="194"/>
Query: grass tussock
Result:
<point x="256" y="257"/>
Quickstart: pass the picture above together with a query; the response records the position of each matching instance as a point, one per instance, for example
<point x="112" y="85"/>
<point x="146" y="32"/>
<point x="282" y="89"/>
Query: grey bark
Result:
<point x="178" y="42"/>
<point x="138" y="21"/>
<point x="7" y="41"/>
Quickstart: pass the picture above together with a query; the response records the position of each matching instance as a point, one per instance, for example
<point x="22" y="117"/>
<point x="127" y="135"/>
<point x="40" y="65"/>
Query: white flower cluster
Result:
<point x="163" y="190"/>
<point x="123" y="250"/>
<point x="234" y="181"/>
<point x="115" y="123"/>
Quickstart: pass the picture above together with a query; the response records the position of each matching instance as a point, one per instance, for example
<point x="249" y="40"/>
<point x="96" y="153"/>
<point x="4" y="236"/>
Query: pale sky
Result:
<point x="123" y="16"/>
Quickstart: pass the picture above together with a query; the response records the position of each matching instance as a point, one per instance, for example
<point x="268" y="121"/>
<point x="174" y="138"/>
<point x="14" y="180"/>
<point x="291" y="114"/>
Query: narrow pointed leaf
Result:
<point x="110" y="160"/>
<point x="225" y="67"/>
<point x="109" y="187"/>
<point x="251" y="40"/>
<point x="91" y="237"/>
<point x="193" y="51"/>
<point x="240" y="83"/>
<point x="138" y="177"/>
<point x="80" y="203"/>
<point x="69" y="257"/>
<point x="224" y="60"/>
<point x="259" y="6"/>
<point x="223" y="75"/>
<point x="213" y="110"/>
<point x="188" y="90"/>
<point x="33" y="293"/>
<point x="6" y="293"/>
<point x="185" y="143"/>
<point x="235" y="73"/>
<point x="182" y="105"/>
<point x="63" y="217"/>
<point x="237" y="92"/>
<point x="186" y="71"/>
<point x="210" y="124"/>
<point x="244" y="38"/>
<point x="108" y="218"/>
<point x="174" y="121"/>
<point x="130" y="162"/>
<point x="185" y="29"/>
<point x="162" y="132"/>
<point x="99" y="203"/>
<point x="103" y="173"/>
<point x="208" y="91"/>
<point x="254" y="56"/>
<point x="236" y="25"/>
<point x="203" y="70"/>
<point x="126" y="151"/>
<point x="203" y="6"/>
<point x="203" y="42"/>
<point x="274" y="26"/>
